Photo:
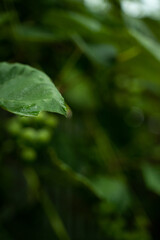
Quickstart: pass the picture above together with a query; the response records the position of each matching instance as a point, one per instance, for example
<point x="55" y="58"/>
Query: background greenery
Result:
<point x="96" y="174"/>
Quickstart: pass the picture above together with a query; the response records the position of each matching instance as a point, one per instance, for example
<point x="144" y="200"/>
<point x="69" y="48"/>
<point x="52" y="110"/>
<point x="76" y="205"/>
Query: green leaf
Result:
<point x="27" y="91"/>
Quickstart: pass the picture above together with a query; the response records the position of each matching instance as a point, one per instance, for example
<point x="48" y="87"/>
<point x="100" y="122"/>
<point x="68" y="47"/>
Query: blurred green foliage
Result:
<point x="96" y="174"/>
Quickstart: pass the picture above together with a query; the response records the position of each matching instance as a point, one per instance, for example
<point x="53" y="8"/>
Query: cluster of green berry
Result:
<point x="31" y="133"/>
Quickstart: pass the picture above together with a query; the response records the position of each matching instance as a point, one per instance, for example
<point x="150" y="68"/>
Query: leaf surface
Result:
<point x="27" y="91"/>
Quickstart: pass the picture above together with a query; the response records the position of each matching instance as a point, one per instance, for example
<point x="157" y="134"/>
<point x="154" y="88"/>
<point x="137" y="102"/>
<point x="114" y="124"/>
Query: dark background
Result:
<point x="96" y="174"/>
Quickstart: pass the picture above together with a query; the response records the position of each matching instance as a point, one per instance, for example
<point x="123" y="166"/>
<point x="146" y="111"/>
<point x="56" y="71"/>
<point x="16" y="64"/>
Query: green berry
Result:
<point x="14" y="127"/>
<point x="29" y="134"/>
<point x="28" y="154"/>
<point x="43" y="136"/>
<point x="51" y="121"/>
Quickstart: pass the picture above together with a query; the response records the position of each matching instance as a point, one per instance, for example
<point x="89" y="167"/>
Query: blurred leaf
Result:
<point x="72" y="22"/>
<point x="6" y="17"/>
<point x="80" y="92"/>
<point x="53" y="216"/>
<point x="151" y="176"/>
<point x="138" y="25"/>
<point x="143" y="34"/>
<point x="99" y="53"/>
<point x="113" y="190"/>
<point x="65" y="174"/>
<point x="148" y="43"/>
<point x="27" y="91"/>
<point x="35" y="34"/>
